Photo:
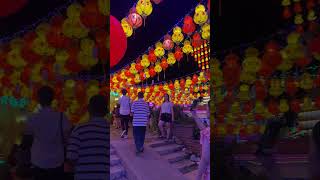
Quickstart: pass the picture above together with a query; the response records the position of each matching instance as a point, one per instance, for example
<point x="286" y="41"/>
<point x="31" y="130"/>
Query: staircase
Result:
<point x="175" y="155"/>
<point x="117" y="171"/>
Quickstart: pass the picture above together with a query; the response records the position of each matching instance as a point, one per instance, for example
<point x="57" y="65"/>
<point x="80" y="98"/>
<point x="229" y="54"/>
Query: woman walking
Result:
<point x="166" y="117"/>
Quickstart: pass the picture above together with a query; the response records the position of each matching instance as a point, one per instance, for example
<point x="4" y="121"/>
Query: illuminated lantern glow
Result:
<point x="90" y="16"/>
<point x="188" y="25"/>
<point x="178" y="54"/>
<point x="205" y="31"/>
<point x="167" y="42"/>
<point x="9" y="7"/>
<point x="145" y="61"/>
<point x="187" y="48"/>
<point x="196" y="40"/>
<point x="291" y="86"/>
<point x="159" y="51"/>
<point x="134" y="19"/>
<point x="144" y="8"/>
<point x="118" y="41"/>
<point x="200" y="15"/>
<point x="171" y="59"/>
<point x="177" y="36"/>
<point x="157" y="1"/>
<point x="127" y="28"/>
<point x="151" y="56"/>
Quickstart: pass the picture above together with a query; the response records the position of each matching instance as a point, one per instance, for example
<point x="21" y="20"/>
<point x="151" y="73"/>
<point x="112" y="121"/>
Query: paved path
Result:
<point x="149" y="165"/>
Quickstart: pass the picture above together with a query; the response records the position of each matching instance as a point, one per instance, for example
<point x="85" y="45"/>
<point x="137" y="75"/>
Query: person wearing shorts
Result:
<point x="166" y="117"/>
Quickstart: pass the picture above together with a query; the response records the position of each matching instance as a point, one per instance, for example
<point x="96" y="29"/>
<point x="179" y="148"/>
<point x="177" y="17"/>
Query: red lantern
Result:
<point x="243" y="132"/>
<point x="118" y="41"/>
<point x="295" y="105"/>
<point x="273" y="107"/>
<point x="139" y="67"/>
<point x="9" y="7"/>
<point x="152" y="57"/>
<point x="261" y="92"/>
<point x="171" y="86"/>
<point x="90" y="16"/>
<point x="310" y="4"/>
<point x="286" y="13"/>
<point x="188" y="25"/>
<point x="25" y="75"/>
<point x="142" y="76"/>
<point x="265" y="70"/>
<point x="297" y="8"/>
<point x="164" y="64"/>
<point x="167" y="43"/>
<point x="182" y="83"/>
<point x="314" y="45"/>
<point x="152" y="72"/>
<point x="178" y="54"/>
<point x="127" y="73"/>
<point x="247" y="107"/>
<point x="196" y="40"/>
<point x="303" y="62"/>
<point x="272" y="56"/>
<point x="80" y="91"/>
<point x="134" y="19"/>
<point x="194" y="79"/>
<point x="291" y="86"/>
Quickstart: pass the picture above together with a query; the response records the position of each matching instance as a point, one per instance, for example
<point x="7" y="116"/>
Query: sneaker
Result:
<point x="122" y="134"/>
<point x="125" y="136"/>
<point x="142" y="149"/>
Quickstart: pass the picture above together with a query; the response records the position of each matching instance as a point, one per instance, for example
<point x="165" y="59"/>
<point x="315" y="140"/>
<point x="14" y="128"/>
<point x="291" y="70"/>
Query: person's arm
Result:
<point x="27" y="136"/>
<point x="66" y="128"/>
<point x="132" y="110"/>
<point x="197" y="120"/>
<point x="72" y="150"/>
<point x="172" y="111"/>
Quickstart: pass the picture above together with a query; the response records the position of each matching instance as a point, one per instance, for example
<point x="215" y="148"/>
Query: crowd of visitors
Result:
<point x="52" y="149"/>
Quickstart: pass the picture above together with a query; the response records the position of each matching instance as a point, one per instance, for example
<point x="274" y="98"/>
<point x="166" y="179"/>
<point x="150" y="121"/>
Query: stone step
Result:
<point x="160" y="143"/>
<point x="117" y="172"/>
<point x="169" y="149"/>
<point x="114" y="160"/>
<point x="177" y="156"/>
<point x="185" y="166"/>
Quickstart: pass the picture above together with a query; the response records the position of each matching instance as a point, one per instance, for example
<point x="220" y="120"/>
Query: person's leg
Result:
<point x="127" y="119"/>
<point x="122" y="119"/>
<point x="205" y="161"/>
<point x="161" y="123"/>
<point x="136" y="136"/>
<point x="168" y="126"/>
<point x="143" y="135"/>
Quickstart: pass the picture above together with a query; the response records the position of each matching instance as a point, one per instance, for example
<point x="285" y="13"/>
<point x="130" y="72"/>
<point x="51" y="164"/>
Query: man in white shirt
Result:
<point x="125" y="108"/>
<point x="46" y="128"/>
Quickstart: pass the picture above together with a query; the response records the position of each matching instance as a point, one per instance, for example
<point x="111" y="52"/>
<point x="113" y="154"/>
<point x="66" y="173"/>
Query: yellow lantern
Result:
<point x="61" y="56"/>
<point x="205" y="31"/>
<point x="177" y="36"/>
<point x="298" y="19"/>
<point x="87" y="46"/>
<point x="275" y="88"/>
<point x="42" y="29"/>
<point x="176" y="85"/>
<point x="188" y="82"/>
<point x="104" y="6"/>
<point x="144" y="8"/>
<point x="171" y="59"/>
<point x="133" y="69"/>
<point x="311" y="15"/>
<point x="187" y="48"/>
<point x="145" y="61"/>
<point x="235" y="108"/>
<point x="259" y="108"/>
<point x="244" y="93"/>
<point x="307" y="104"/>
<point x="14" y="58"/>
<point x="158" y="67"/>
<point x="200" y="15"/>
<point x="127" y="28"/>
<point x="73" y="11"/>
<point x="159" y="51"/>
<point x="284" y="107"/>
<point x="251" y="62"/>
<point x="306" y="81"/>
<point x="137" y="78"/>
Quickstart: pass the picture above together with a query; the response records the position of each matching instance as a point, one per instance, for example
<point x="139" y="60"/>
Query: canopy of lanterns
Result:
<point x="66" y="45"/>
<point x="181" y="91"/>
<point x="194" y="33"/>
<point x="301" y="11"/>
<point x="267" y="83"/>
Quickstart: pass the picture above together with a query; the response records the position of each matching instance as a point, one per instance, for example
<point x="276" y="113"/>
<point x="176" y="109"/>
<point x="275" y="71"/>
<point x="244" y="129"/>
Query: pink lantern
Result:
<point x="134" y="19"/>
<point x="167" y="43"/>
<point x="157" y="1"/>
<point x="118" y="41"/>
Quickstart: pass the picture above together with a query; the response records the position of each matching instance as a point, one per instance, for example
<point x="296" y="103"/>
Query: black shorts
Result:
<point x="166" y="117"/>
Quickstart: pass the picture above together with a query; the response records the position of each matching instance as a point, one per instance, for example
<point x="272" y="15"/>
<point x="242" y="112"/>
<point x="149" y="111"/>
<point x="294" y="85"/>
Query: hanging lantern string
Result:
<point x="162" y="38"/>
<point x="57" y="11"/>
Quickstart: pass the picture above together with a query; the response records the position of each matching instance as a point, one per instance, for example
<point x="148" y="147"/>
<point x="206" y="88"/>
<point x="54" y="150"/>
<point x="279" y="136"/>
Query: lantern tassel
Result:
<point x="158" y="77"/>
<point x="144" y="21"/>
<point x="164" y="74"/>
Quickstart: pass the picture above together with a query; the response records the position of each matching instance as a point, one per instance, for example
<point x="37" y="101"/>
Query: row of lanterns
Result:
<point x="171" y="50"/>
<point x="182" y="90"/>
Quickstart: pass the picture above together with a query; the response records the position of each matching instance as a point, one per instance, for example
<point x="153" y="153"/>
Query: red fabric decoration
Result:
<point x="118" y="41"/>
<point x="9" y="7"/>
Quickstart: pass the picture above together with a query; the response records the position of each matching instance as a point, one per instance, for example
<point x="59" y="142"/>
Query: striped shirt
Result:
<point x="141" y="111"/>
<point x="89" y="149"/>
